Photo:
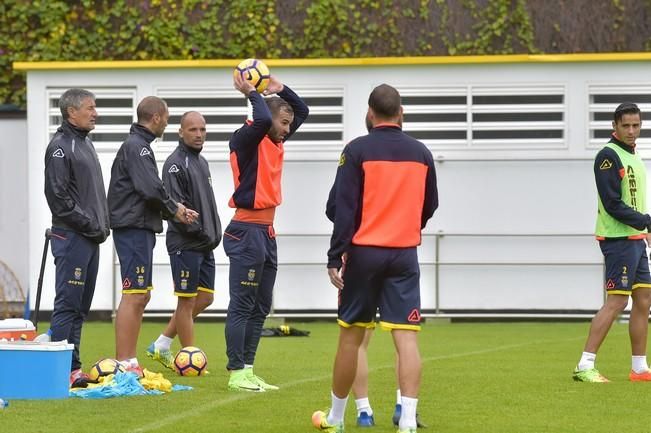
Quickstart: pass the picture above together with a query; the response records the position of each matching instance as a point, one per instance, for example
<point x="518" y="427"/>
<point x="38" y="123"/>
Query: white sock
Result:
<point x="129" y="362"/>
<point x="337" y="410"/>
<point x="587" y="361"/>
<point x="639" y="364"/>
<point x="408" y="414"/>
<point x="163" y="343"/>
<point x="398" y="397"/>
<point x="363" y="405"/>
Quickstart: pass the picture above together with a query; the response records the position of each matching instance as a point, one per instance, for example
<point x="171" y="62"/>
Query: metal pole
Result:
<point x="113" y="279"/>
<point x="436" y="271"/>
<point x="39" y="286"/>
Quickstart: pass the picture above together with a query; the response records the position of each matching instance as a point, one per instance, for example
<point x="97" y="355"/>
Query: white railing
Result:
<point x="439" y="265"/>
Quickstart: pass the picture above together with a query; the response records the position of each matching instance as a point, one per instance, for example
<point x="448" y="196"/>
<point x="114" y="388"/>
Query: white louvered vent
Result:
<point x="604" y="99"/>
<point x="225" y="110"/>
<point x="116" y="113"/>
<point x="437" y="116"/>
<point x="324" y="128"/>
<point x="527" y="117"/>
<point x="486" y="117"/>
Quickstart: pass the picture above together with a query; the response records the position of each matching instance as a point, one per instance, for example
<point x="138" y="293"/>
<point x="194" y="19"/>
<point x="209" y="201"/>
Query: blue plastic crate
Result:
<point x="34" y="370"/>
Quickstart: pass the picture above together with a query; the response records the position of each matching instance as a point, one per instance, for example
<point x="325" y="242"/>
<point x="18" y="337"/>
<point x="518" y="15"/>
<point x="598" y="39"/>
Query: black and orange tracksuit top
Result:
<point x="257" y="161"/>
<point x="384" y="192"/>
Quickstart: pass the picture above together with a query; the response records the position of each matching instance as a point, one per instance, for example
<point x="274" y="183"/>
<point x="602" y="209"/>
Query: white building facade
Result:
<point x="514" y="138"/>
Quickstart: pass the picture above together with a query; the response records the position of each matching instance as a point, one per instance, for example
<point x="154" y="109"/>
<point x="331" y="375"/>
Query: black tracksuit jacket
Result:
<point x="137" y="198"/>
<point x="186" y="175"/>
<point x="74" y="187"/>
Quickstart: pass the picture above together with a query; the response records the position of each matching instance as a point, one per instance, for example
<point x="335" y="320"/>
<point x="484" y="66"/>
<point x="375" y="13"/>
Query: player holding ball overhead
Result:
<point x="256" y="156"/>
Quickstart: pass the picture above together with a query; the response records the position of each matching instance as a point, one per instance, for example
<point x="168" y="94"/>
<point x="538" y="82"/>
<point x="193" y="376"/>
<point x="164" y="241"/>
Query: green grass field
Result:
<point x="479" y="377"/>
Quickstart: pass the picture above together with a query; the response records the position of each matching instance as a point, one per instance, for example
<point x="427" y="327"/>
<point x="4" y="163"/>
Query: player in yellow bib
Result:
<point x="622" y="229"/>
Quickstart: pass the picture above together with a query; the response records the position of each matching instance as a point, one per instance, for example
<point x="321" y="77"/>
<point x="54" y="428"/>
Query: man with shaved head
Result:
<point x="383" y="195"/>
<point x="138" y="201"/>
<point x="186" y="175"/>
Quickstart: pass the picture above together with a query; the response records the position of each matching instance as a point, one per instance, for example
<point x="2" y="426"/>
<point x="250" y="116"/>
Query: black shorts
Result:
<point x="627" y="266"/>
<point x="193" y="271"/>
<point x="135" y="248"/>
<point x="381" y="279"/>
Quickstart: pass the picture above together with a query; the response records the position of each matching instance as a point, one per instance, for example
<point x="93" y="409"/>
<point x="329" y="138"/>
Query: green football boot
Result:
<point x="258" y="380"/>
<point x="320" y="422"/>
<point x="165" y="357"/>
<point x="591" y="375"/>
<point x="240" y="382"/>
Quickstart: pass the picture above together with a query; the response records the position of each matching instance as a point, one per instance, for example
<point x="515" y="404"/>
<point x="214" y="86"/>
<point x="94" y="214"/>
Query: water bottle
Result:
<point x="3" y="403"/>
<point x="44" y="338"/>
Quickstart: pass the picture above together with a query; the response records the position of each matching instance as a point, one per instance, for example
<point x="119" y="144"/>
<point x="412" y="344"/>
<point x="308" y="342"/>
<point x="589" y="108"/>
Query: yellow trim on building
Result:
<point x="360" y="61"/>
<point x="391" y="326"/>
<point x="205" y="289"/>
<point x="367" y="325"/>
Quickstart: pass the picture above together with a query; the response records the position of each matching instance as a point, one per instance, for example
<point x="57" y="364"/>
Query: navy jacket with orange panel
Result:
<point x="256" y="160"/>
<point x="384" y="192"/>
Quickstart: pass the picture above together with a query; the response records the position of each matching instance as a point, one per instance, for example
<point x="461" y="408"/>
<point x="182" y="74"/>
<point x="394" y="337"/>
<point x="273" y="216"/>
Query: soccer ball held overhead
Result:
<point x="255" y="72"/>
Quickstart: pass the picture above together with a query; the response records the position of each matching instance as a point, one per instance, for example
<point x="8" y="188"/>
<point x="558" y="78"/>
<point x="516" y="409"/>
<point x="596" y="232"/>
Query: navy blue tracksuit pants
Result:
<point x="76" y="259"/>
<point x="252" y="251"/>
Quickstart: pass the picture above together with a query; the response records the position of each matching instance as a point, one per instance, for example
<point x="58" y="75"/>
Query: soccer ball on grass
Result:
<point x="104" y="367"/>
<point x="190" y="361"/>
